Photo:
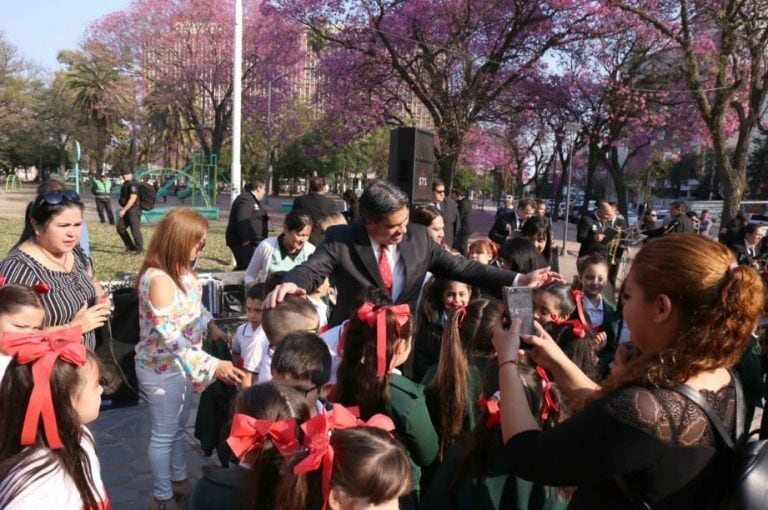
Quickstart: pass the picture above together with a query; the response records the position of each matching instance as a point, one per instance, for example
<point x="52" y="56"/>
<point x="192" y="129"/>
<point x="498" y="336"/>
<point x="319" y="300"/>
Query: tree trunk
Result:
<point x="733" y="177"/>
<point x="615" y="169"/>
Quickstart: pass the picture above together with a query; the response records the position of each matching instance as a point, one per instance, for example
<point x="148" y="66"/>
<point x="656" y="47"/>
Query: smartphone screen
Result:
<point x="519" y="301"/>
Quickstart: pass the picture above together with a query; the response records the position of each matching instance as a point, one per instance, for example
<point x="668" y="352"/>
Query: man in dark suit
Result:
<point x="749" y="249"/>
<point x="448" y="210"/>
<point x="592" y="232"/>
<point x="509" y="224"/>
<point x="679" y="224"/>
<point x="383" y="251"/>
<point x="465" y="220"/>
<point x="316" y="205"/>
<point x="248" y="223"/>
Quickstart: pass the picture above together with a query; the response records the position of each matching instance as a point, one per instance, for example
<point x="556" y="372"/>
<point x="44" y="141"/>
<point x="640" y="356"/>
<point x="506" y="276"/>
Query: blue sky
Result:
<point x="40" y="28"/>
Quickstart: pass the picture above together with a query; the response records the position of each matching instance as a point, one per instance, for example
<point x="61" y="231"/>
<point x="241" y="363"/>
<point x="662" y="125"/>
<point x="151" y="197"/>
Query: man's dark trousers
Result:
<point x="132" y="220"/>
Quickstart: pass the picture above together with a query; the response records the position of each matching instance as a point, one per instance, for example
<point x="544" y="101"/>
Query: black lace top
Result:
<point x="657" y="440"/>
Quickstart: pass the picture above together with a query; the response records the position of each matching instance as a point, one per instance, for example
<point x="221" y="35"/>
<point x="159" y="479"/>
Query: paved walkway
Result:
<point x="122" y="437"/>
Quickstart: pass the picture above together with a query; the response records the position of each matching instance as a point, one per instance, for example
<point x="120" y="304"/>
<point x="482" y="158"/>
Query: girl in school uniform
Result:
<point x="47" y="454"/>
<point x="377" y="340"/>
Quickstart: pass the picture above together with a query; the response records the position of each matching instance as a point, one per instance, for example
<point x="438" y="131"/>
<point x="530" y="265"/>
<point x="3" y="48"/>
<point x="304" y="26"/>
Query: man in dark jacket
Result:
<point x="317" y="205"/>
<point x="129" y="216"/>
<point x="448" y="210"/>
<point x="248" y="223"/>
<point x="384" y="251"/>
<point x="508" y="224"/>
<point x="465" y="221"/>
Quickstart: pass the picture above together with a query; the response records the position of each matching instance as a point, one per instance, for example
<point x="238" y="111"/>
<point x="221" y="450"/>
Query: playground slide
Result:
<point x="166" y="189"/>
<point x="185" y="193"/>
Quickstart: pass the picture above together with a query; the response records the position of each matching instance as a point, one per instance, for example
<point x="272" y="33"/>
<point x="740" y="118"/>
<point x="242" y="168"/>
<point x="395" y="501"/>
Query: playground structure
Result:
<point x="196" y="182"/>
<point x="12" y="183"/>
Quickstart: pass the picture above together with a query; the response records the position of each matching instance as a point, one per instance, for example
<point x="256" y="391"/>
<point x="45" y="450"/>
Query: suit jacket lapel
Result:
<point x="362" y="246"/>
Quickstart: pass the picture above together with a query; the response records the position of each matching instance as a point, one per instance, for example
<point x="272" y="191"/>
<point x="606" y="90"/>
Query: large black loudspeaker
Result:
<point x="412" y="162"/>
<point x="117" y="353"/>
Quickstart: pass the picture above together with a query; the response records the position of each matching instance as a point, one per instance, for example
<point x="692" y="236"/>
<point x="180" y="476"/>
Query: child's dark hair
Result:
<point x="14" y="297"/>
<point x="368" y="464"/>
<point x="466" y="337"/>
<point x="273" y="280"/>
<point x="594" y="259"/>
<point x="256" y="292"/>
<point x="520" y="255"/>
<point x="15" y="391"/>
<point x="271" y="401"/>
<point x="291" y="314"/>
<point x="358" y="384"/>
<point x="582" y="350"/>
<point x="303" y="355"/>
<point x="561" y="292"/>
<point x="537" y="227"/>
<point x="485" y="443"/>
<point x="432" y="304"/>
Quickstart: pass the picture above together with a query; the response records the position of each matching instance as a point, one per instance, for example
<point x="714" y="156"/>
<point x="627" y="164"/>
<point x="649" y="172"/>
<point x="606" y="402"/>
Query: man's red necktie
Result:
<point x="385" y="270"/>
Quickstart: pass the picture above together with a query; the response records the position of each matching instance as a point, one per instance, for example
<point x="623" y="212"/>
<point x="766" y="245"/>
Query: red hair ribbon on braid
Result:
<point x="41" y="350"/>
<point x="376" y="318"/>
<point x="2" y="280"/>
<point x="317" y="441"/>
<point x="578" y="298"/>
<point x="490" y="405"/>
<point x="578" y="328"/>
<point x="41" y="288"/>
<point x="461" y="313"/>
<point x="548" y="405"/>
<point x="249" y="434"/>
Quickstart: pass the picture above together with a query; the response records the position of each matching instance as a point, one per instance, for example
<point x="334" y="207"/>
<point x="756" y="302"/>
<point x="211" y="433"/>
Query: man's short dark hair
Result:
<point x="381" y="199"/>
<point x="679" y="205"/>
<point x="303" y="355"/>
<point x="437" y="181"/>
<point x="254" y="183"/>
<point x="316" y="183"/>
<point x="291" y="314"/>
<point x="524" y="203"/>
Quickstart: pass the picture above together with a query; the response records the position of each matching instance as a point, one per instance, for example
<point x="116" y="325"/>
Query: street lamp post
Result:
<point x="237" y="95"/>
<point x="573" y="128"/>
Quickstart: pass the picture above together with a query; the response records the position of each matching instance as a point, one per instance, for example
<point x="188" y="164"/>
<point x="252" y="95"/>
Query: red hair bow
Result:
<point x="249" y="434"/>
<point x="491" y="406"/>
<point x="578" y="328"/>
<point x="377" y="319"/>
<point x="2" y="280"/>
<point x="317" y="441"/>
<point x="42" y="350"/>
<point x="549" y="403"/>
<point x="578" y="298"/>
<point x="461" y="313"/>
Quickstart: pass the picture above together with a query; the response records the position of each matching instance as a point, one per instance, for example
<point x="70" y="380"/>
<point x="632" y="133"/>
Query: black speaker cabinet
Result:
<point x="117" y="353"/>
<point x="412" y="162"/>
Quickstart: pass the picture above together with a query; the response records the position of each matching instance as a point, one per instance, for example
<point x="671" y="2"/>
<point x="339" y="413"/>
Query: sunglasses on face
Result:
<point x="57" y="197"/>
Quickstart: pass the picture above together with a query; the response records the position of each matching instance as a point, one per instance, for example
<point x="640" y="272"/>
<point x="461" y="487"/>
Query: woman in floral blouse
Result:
<point x="170" y="361"/>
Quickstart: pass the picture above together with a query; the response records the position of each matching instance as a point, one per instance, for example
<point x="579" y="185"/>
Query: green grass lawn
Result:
<point x="109" y="256"/>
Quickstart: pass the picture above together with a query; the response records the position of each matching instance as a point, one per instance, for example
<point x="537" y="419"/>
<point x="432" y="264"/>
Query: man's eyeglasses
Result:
<point x="305" y="391"/>
<point x="440" y="191"/>
<point x="57" y="197"/>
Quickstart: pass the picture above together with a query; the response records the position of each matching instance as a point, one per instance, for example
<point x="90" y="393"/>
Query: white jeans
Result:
<point x="170" y="399"/>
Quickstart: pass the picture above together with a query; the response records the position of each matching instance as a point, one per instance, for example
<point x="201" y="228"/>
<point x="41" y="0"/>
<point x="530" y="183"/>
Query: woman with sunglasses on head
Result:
<point x="49" y="258"/>
<point x="170" y="361"/>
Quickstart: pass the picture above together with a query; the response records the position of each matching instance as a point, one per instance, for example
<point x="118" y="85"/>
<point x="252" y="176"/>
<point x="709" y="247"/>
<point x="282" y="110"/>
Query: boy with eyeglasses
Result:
<point x="302" y="360"/>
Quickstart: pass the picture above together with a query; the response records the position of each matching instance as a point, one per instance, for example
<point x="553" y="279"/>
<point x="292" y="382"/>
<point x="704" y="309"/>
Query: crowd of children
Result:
<point x="387" y="410"/>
